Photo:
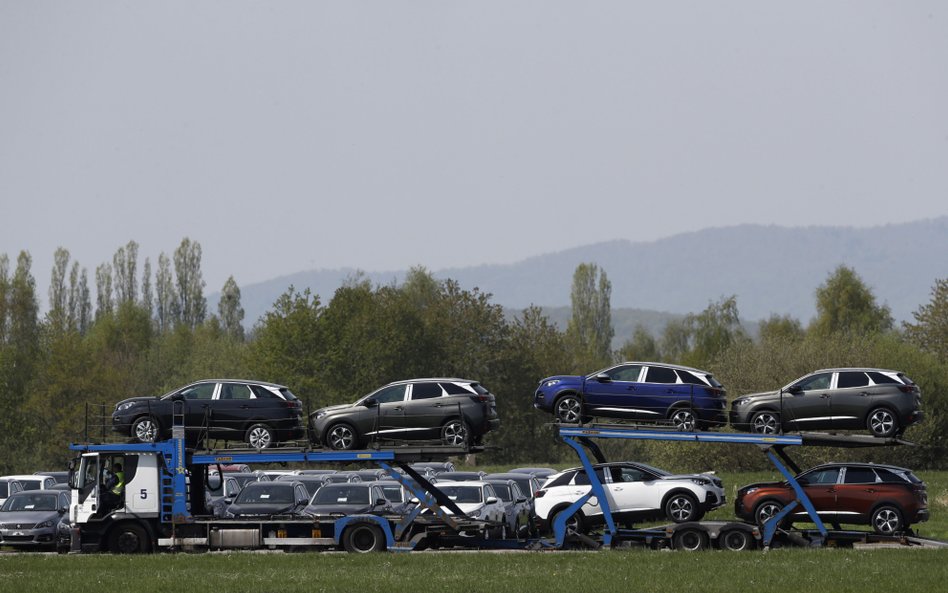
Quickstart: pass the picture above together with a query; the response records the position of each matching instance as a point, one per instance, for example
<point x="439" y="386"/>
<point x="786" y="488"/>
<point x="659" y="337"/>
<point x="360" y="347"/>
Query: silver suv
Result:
<point x="456" y="412"/>
<point x="882" y="401"/>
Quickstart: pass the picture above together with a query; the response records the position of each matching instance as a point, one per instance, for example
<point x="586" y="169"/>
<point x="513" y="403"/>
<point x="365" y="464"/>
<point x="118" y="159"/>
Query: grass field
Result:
<point x="839" y="571"/>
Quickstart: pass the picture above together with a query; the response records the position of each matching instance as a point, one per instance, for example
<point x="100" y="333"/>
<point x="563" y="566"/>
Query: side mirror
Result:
<point x="370" y="402"/>
<point x="803" y="482"/>
<point x="603" y="378"/>
<point x="795" y="390"/>
<point x="414" y="500"/>
<point x="381" y="502"/>
<point x="491" y="500"/>
<point x="521" y="500"/>
<point x="62" y="510"/>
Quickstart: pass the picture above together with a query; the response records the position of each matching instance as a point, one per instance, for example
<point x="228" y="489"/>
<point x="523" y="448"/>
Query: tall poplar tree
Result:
<point x="167" y="309"/>
<point x="103" y="289"/>
<point x="59" y="312"/>
<point x="590" y="330"/>
<point x="229" y="309"/>
<point x="190" y="283"/>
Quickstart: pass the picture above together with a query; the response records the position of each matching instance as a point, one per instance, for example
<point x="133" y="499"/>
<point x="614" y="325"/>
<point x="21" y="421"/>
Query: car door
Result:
<point x="633" y="489"/>
<point x="197" y="405"/>
<point x="851" y="398"/>
<point x="820" y="486"/>
<point x="806" y="403"/>
<point x="615" y="392"/>
<point x="856" y="494"/>
<point x="231" y="409"/>
<point x="660" y="389"/>
<point x="386" y="412"/>
<point x="427" y="405"/>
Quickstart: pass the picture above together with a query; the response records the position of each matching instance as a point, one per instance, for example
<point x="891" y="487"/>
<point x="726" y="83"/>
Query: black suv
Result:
<point x="260" y="414"/>
<point x="457" y="412"/>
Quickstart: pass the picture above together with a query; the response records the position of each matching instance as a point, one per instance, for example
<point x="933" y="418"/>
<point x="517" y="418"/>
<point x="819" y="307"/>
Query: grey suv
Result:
<point x="456" y="412"/>
<point x="884" y="402"/>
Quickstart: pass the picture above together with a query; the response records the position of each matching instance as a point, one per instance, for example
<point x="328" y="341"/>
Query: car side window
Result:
<point x="628" y="372"/>
<point x="823" y="476"/>
<point x="200" y="391"/>
<point x="455" y="389"/>
<point x="852" y="379"/>
<point x="583" y="480"/>
<point x="889" y="477"/>
<point x="660" y="375"/>
<point x="235" y="391"/>
<point x="690" y="378"/>
<point x="425" y="391"/>
<point x="882" y="379"/>
<point x="261" y="392"/>
<point x="631" y="474"/>
<point x="814" y="382"/>
<point x="859" y="475"/>
<point x="387" y="395"/>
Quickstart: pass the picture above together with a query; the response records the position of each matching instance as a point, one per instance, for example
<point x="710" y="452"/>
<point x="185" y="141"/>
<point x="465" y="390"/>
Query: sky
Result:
<point x="295" y="135"/>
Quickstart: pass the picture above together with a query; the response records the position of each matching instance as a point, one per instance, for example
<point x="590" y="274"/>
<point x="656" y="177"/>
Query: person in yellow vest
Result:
<point x="119" y="488"/>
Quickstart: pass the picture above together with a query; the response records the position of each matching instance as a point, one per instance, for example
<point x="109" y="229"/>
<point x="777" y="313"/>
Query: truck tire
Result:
<point x="363" y="538"/>
<point x="690" y="539"/>
<point x="129" y="538"/>
<point x="735" y="540"/>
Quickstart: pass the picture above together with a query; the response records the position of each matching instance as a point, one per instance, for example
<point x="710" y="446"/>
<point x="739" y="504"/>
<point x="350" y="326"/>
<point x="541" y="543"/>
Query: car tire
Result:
<point x="765" y="510"/>
<point x="683" y="419"/>
<point x="129" y="538"/>
<point x="455" y="433"/>
<point x="736" y="540"/>
<point x="341" y="437"/>
<point x="765" y="422"/>
<point x="690" y="539"/>
<point x="682" y="507"/>
<point x="363" y="538"/>
<point x="145" y="429"/>
<point x="887" y="520"/>
<point x="569" y="409"/>
<point x="260" y="436"/>
<point x="882" y="422"/>
<point x="574" y="524"/>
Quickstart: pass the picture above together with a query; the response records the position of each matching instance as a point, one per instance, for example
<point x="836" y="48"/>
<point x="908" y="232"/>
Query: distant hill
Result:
<point x="771" y="269"/>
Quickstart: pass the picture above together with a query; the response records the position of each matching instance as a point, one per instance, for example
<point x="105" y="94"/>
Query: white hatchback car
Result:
<point x="636" y="491"/>
<point x="476" y="499"/>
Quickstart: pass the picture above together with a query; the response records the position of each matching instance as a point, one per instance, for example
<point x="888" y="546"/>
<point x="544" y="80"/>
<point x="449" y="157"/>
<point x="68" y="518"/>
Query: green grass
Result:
<point x="839" y="571"/>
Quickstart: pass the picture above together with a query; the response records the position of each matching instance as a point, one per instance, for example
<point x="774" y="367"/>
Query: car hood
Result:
<point x="714" y="479"/>
<point x="248" y="510"/>
<point x="29" y="517"/>
<point x="760" y="485"/>
<point x="142" y="398"/>
<point x="563" y="379"/>
<point x="760" y="395"/>
<point x="330" y="409"/>
<point x="338" y="509"/>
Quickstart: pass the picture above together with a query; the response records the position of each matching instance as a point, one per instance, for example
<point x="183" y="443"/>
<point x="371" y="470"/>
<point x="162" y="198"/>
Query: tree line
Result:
<point x="151" y="332"/>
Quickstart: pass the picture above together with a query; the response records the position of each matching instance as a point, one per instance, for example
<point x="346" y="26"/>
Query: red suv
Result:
<point x="888" y="498"/>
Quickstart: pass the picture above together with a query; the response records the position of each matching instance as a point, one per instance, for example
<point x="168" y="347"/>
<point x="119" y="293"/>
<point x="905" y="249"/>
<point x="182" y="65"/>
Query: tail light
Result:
<point x="539" y="493"/>
<point x="297" y="404"/>
<point x="908" y="388"/>
<point x="480" y="398"/>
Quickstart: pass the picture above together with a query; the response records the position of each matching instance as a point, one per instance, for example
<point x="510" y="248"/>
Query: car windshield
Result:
<point x="341" y="494"/>
<point x="30" y="502"/>
<point x="4" y="489"/>
<point x="503" y="492"/>
<point x="31" y="484"/>
<point x="462" y="493"/>
<point x="393" y="493"/>
<point x="275" y="492"/>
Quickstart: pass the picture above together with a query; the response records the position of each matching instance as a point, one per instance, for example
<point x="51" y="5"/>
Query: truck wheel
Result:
<point x="681" y="508"/>
<point x="735" y="540"/>
<point x="259" y="436"/>
<point x="129" y="538"/>
<point x="341" y="437"/>
<point x="363" y="538"/>
<point x="690" y="539"/>
<point x="145" y="429"/>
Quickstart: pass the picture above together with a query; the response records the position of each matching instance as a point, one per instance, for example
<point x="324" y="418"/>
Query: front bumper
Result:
<point x="45" y="537"/>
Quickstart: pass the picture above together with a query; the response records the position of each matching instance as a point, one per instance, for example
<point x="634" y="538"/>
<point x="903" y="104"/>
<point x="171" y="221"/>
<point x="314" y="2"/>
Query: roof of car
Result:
<point x="254" y="381"/>
<point x="859" y="464"/>
<point x="665" y="364"/>
<point x="841" y="369"/>
<point x="451" y="379"/>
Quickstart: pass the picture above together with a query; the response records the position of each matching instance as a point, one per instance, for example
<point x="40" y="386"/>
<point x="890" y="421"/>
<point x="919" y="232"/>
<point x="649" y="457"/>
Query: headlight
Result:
<point x="320" y="415"/>
<point x="701" y="481"/>
<point x="43" y="525"/>
<point x="124" y="406"/>
<point x="551" y="382"/>
<point x="476" y="514"/>
<point x="742" y="401"/>
<point x="750" y="491"/>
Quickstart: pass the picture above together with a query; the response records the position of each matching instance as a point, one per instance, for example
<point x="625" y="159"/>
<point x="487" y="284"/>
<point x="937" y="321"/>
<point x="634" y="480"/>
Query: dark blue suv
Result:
<point x="683" y="397"/>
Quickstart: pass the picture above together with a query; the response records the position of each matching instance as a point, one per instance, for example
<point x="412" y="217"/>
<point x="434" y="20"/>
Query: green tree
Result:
<point x="641" y="346"/>
<point x="168" y="310"/>
<point x="4" y="295"/>
<point x="845" y="304"/>
<point x="125" y="267"/>
<point x="713" y="331"/>
<point x="59" y="311"/>
<point x="229" y="309"/>
<point x="930" y="330"/>
<point x="103" y="289"/>
<point x="589" y="332"/>
<point x="190" y="282"/>
<point x="148" y="299"/>
<point x="778" y="327"/>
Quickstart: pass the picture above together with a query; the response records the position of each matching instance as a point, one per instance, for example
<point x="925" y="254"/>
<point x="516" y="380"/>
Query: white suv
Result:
<point x="636" y="491"/>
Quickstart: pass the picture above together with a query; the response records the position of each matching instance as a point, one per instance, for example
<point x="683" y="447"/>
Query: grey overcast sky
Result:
<point x="291" y="135"/>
